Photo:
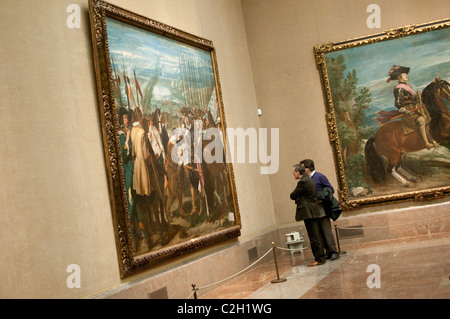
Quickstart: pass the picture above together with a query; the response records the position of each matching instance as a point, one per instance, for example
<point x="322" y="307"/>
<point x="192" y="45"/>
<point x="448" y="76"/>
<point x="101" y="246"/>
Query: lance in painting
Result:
<point x="125" y="79"/>
<point x="117" y="82"/>
<point x="138" y="88"/>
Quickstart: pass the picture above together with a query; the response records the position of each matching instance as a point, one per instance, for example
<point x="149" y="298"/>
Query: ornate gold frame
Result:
<point x="129" y="262"/>
<point x="320" y="52"/>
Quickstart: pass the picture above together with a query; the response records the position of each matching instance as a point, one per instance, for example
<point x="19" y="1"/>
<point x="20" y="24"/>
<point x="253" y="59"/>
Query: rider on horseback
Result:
<point x="409" y="104"/>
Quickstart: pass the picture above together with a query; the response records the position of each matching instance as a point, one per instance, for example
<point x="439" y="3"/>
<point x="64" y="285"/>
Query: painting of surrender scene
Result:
<point x="388" y="114"/>
<point x="166" y="98"/>
<point x="163" y="127"/>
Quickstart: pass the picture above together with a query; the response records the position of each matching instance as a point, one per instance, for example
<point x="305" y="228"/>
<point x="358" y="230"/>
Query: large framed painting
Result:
<point x="387" y="111"/>
<point x="162" y="120"/>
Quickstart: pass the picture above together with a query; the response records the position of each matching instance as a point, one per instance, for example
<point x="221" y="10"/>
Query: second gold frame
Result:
<point x="378" y="160"/>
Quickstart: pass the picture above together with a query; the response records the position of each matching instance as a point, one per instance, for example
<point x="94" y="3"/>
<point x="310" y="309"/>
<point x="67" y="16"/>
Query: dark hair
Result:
<point x="299" y="168"/>
<point x="123" y="111"/>
<point x="144" y="123"/>
<point x="138" y="114"/>
<point x="308" y="163"/>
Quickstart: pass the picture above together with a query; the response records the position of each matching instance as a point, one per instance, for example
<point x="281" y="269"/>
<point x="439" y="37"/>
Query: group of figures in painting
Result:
<point x="161" y="171"/>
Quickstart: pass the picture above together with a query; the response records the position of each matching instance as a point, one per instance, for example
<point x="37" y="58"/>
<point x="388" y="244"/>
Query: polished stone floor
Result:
<point x="406" y="268"/>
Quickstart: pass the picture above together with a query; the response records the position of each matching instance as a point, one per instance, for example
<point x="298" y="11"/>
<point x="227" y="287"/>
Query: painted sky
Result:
<point x="143" y="49"/>
<point x="427" y="54"/>
<point x="150" y="55"/>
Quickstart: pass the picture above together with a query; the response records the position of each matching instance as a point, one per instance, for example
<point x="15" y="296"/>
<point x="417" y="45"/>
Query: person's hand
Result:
<point x="403" y="110"/>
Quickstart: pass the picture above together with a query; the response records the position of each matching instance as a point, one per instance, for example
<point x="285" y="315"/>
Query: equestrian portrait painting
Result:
<point x="163" y="124"/>
<point x="387" y="99"/>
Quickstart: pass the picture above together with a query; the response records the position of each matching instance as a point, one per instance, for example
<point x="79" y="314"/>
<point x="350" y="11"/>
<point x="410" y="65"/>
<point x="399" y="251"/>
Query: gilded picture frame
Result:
<point x="159" y="95"/>
<point x="373" y="111"/>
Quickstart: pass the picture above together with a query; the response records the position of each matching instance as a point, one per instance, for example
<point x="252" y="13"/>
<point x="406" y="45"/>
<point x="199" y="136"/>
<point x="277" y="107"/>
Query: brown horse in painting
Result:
<point x="391" y="142"/>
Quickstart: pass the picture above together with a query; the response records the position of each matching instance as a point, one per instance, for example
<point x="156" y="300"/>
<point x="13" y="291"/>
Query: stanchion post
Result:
<point x="337" y="239"/>
<point x="276" y="267"/>
<point x="195" y="291"/>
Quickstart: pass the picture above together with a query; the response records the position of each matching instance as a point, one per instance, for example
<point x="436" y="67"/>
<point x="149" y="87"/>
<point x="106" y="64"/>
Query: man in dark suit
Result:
<point x="309" y="211"/>
<point x="321" y="182"/>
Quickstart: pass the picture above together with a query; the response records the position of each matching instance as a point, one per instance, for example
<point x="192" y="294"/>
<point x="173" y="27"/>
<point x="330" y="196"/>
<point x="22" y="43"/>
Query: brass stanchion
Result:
<point x="195" y="291"/>
<point x="276" y="267"/>
<point x="337" y="239"/>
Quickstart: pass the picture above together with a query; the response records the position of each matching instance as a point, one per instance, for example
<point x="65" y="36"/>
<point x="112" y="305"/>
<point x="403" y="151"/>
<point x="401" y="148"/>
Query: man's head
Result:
<point x="308" y="164"/>
<point x="396" y="71"/>
<point x="403" y="77"/>
<point x="124" y="118"/>
<point x="298" y="171"/>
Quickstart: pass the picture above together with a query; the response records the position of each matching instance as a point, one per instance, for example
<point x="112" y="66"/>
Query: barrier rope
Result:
<point x="238" y="273"/>
<point x="399" y="225"/>
<point x="291" y="249"/>
<point x="192" y="293"/>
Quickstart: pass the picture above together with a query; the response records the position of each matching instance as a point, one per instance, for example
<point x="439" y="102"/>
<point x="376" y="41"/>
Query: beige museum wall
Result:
<point x="281" y="36"/>
<point x="55" y="204"/>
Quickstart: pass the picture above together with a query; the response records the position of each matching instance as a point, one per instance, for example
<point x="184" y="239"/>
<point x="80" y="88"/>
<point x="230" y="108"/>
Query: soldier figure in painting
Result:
<point x="143" y="186"/>
<point x="394" y="139"/>
<point x="125" y="118"/>
<point x="409" y="104"/>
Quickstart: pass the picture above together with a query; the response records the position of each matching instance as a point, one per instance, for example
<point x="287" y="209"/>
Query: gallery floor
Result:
<point x="406" y="268"/>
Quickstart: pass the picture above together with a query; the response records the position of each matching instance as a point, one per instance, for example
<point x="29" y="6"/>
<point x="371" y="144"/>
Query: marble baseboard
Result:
<point x="203" y="271"/>
<point x="408" y="222"/>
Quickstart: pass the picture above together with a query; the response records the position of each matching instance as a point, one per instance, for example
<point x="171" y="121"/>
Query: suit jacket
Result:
<point x="321" y="181"/>
<point x="304" y="196"/>
<point x="330" y="204"/>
